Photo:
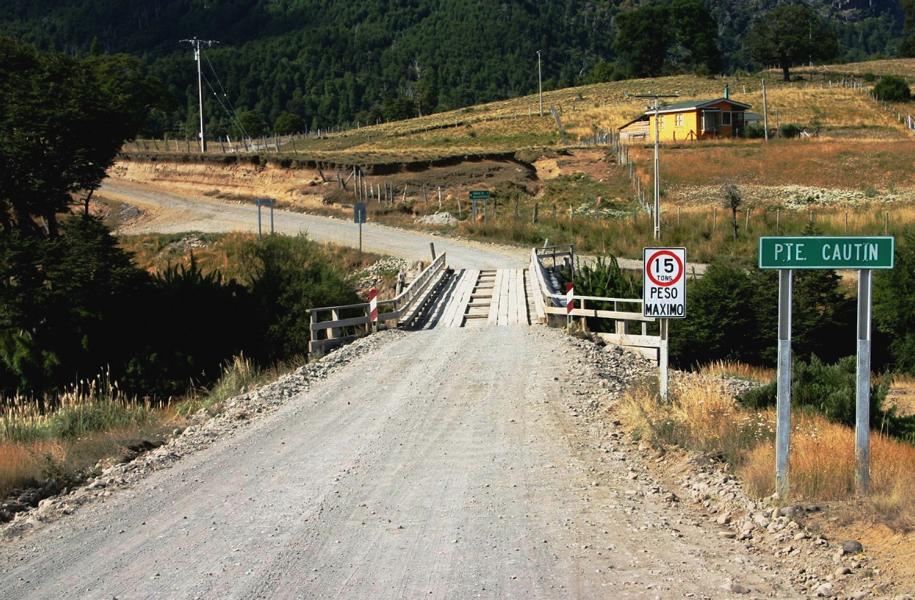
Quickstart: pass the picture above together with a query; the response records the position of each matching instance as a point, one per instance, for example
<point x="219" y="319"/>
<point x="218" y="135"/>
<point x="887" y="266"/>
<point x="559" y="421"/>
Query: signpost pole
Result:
<point x="862" y="396"/>
<point x="783" y="403"/>
<point x="272" y="204"/>
<point x="360" y="240"/>
<point x="259" y="232"/>
<point x="662" y="360"/>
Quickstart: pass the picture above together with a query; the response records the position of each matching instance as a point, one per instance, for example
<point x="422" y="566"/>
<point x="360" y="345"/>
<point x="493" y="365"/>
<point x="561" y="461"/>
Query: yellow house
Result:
<point x="688" y="121"/>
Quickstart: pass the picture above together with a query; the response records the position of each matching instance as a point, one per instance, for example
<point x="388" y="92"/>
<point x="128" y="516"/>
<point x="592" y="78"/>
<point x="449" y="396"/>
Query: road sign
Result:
<point x="359" y="212"/>
<point x="570" y="298"/>
<point x="664" y="287"/>
<point x="820" y="252"/>
<point x="787" y="254"/>
<point x="479" y="195"/>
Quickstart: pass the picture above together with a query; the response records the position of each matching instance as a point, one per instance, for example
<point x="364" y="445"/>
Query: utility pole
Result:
<point x="765" y="111"/>
<point x="540" y="81"/>
<point x="657" y="158"/>
<point x="196" y="45"/>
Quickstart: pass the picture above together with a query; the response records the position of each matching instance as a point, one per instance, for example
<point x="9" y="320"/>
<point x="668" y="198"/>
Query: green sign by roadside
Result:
<point x="479" y="195"/>
<point x="815" y="252"/>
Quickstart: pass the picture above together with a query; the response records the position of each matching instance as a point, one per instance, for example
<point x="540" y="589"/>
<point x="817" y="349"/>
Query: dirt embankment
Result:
<point x="305" y="185"/>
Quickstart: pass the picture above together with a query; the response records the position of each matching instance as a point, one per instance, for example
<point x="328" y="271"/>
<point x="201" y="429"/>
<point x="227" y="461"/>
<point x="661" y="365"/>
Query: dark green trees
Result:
<point x="893" y="89"/>
<point x="894" y="304"/>
<point x="789" y="35"/>
<point x="661" y="37"/>
<point x="62" y="123"/>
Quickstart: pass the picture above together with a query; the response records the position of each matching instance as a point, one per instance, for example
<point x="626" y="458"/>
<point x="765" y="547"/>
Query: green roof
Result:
<point x="695" y="104"/>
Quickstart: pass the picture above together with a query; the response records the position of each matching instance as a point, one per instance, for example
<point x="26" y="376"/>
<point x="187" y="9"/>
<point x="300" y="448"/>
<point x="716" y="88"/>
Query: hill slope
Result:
<point x="334" y="62"/>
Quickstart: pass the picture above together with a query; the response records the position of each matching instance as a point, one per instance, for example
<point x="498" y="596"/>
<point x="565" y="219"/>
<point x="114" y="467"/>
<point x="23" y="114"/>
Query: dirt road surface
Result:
<point x="445" y="464"/>
<point x="171" y="212"/>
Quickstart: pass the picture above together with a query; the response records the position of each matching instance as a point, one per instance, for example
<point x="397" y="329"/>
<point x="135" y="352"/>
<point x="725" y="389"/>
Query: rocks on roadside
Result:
<point x="46" y="504"/>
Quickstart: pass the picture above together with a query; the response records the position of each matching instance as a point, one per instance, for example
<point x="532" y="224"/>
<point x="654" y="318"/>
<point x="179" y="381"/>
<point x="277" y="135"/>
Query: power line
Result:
<point x="196" y="44"/>
<point x="232" y="114"/>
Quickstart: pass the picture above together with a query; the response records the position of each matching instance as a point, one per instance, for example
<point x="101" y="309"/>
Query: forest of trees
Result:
<point x="286" y="64"/>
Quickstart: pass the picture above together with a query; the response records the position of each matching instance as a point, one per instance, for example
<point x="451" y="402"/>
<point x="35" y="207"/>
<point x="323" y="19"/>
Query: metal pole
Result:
<point x="259" y="233"/>
<point x="657" y="170"/>
<point x="783" y="403"/>
<point x="360" y="238"/>
<point x="765" y="111"/>
<point x="663" y="360"/>
<point x="203" y="147"/>
<point x="540" y="81"/>
<point x="272" y="204"/>
<point x="863" y="378"/>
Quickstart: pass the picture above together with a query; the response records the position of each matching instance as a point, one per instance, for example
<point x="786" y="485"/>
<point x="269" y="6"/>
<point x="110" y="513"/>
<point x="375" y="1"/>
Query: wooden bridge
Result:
<point x="468" y="298"/>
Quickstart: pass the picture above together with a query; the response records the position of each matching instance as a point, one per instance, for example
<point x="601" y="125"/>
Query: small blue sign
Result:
<point x="359" y="212"/>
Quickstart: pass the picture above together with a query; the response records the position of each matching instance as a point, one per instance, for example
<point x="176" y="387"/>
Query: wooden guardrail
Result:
<point x="550" y="307"/>
<point x="334" y="326"/>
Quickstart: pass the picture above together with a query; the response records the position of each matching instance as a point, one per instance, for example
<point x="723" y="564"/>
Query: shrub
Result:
<point x="894" y="305"/>
<point x="732" y="316"/>
<point x="829" y="390"/>
<point x="892" y="89"/>
<point x="754" y="131"/>
<point x="604" y="278"/>
<point x="790" y="130"/>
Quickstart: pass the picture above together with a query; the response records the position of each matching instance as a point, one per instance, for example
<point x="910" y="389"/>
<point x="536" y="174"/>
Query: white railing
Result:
<point x="352" y="321"/>
<point x="550" y="305"/>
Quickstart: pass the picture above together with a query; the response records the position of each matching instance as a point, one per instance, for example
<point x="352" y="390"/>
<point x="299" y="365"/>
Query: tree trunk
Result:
<point x="86" y="203"/>
<point x="786" y="75"/>
<point x="734" y="215"/>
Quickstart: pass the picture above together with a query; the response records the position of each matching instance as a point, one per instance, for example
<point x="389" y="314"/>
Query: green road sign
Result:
<point x="817" y="252"/>
<point x="479" y="195"/>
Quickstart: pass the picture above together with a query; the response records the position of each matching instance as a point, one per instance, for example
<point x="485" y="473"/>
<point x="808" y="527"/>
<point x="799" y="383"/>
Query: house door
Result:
<point x="710" y="121"/>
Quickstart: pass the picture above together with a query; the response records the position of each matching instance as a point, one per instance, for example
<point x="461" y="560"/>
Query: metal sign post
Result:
<point x="863" y="388"/>
<point x="783" y="384"/>
<point x="359" y="218"/>
<point x="820" y="252"/>
<point x="664" y="297"/>
<point x="264" y="202"/>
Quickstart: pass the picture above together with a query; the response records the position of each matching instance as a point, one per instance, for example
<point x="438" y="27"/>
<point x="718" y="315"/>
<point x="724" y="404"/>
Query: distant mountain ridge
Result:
<point x="337" y="61"/>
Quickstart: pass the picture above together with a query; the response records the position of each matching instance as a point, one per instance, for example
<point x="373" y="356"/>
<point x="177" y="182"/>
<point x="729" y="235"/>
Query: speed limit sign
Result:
<point x="664" y="287"/>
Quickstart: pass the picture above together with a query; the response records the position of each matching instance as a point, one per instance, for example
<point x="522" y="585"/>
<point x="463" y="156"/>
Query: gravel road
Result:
<point x="171" y="212"/>
<point x="448" y="463"/>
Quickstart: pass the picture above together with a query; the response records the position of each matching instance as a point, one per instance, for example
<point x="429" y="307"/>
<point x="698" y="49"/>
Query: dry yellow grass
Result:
<point x="902" y="394"/>
<point x="903" y="67"/>
<point x="704" y="417"/>
<point x="727" y="368"/>
<point x="22" y="464"/>
<point x="884" y="165"/>
<point x="822" y="467"/>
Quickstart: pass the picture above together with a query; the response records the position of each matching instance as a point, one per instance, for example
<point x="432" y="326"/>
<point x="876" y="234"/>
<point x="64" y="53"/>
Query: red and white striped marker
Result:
<point x="570" y="298"/>
<point x="373" y="305"/>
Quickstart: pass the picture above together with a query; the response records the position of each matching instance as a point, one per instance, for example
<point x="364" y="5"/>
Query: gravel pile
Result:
<point x="439" y="218"/>
<point x="203" y="430"/>
<point x="386" y="267"/>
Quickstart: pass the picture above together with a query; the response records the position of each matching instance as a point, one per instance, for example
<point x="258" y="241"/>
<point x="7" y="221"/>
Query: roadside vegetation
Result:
<point x="103" y="352"/>
<point x="703" y="417"/>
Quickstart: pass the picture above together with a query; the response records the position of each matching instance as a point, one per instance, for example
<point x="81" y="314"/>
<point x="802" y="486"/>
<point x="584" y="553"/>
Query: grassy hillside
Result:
<point x="817" y="101"/>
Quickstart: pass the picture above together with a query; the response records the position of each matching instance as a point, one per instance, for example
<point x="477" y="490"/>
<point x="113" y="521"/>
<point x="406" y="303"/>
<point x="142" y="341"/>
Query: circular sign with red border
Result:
<point x="674" y="277"/>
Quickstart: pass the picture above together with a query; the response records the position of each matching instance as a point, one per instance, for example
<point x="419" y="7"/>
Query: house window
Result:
<point x="726" y="118"/>
<point x="679" y="120"/>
